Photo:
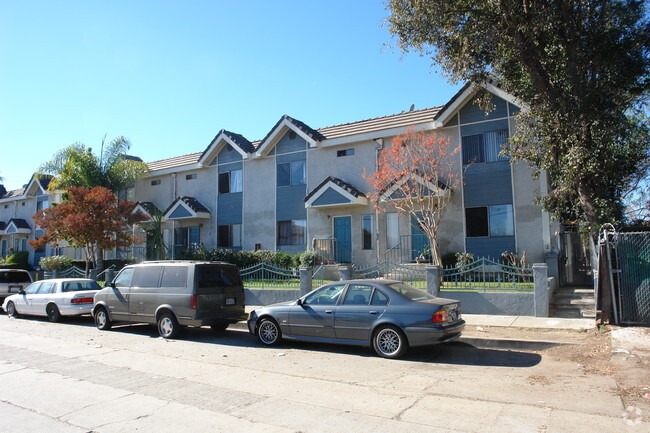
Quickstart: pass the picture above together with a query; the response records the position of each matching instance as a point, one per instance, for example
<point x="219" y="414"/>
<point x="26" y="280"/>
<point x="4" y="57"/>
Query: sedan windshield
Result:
<point x="410" y="292"/>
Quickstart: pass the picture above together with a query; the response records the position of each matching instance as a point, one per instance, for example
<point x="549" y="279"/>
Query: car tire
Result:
<point x="219" y="327"/>
<point x="389" y="342"/>
<point x="11" y="309"/>
<point x="168" y="326"/>
<point x="102" y="321"/>
<point x="53" y="313"/>
<point x="268" y="332"/>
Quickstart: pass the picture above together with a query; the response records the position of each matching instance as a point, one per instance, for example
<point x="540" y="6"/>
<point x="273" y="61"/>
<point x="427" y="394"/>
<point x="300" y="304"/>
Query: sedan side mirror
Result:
<point x="21" y="291"/>
<point x="299" y="302"/>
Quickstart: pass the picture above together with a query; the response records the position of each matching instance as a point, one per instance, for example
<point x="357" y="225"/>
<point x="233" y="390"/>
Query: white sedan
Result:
<point x="53" y="298"/>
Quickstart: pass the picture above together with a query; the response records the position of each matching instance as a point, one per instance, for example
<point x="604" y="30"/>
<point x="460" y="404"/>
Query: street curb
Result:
<point x="511" y="343"/>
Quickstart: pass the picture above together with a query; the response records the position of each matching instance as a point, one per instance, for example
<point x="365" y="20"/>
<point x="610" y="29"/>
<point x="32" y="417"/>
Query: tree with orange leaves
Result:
<point x="91" y="219"/>
<point x="416" y="175"/>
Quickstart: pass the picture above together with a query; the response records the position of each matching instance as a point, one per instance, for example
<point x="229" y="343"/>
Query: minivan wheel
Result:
<point x="269" y="332"/>
<point x="389" y="342"/>
<point x="102" y="321"/>
<point x="11" y="309"/>
<point x="53" y="313"/>
<point x="168" y="326"/>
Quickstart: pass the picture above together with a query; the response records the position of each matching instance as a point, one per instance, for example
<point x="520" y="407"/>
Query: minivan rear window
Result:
<point x="14" y="277"/>
<point x="217" y="276"/>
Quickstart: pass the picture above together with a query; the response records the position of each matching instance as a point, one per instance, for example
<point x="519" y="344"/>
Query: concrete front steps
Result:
<point x="574" y="302"/>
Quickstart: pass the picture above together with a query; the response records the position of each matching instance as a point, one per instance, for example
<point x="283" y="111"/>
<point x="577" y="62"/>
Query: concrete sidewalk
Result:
<point x="515" y="321"/>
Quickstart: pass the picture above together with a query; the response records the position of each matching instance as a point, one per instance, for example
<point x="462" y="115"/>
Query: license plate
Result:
<point x="453" y="315"/>
<point x="230" y="301"/>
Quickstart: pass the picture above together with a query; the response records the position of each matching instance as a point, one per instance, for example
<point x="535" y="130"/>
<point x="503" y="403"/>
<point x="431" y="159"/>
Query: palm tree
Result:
<point x="77" y="165"/>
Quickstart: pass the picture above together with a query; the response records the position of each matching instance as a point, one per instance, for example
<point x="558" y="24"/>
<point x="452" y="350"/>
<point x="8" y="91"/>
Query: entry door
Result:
<point x="419" y="241"/>
<point x="343" y="236"/>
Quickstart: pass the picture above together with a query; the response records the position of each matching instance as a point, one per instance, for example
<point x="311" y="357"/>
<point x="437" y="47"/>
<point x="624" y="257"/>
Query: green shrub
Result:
<point x="308" y="258"/>
<point x="464" y="259"/>
<point x="17" y="260"/>
<point x="449" y="260"/>
<point x="55" y="263"/>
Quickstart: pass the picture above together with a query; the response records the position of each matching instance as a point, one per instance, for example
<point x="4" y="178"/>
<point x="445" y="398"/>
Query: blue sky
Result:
<point x="168" y="75"/>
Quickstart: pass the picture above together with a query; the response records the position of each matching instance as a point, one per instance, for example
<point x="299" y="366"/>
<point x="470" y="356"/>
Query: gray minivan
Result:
<point x="172" y="294"/>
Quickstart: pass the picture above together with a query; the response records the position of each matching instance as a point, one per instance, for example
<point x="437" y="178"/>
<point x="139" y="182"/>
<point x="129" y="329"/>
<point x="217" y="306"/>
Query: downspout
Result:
<point x="173" y="234"/>
<point x="378" y="149"/>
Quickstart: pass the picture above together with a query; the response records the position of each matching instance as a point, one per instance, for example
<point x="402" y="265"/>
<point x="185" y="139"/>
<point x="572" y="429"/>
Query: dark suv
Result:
<point x="172" y="294"/>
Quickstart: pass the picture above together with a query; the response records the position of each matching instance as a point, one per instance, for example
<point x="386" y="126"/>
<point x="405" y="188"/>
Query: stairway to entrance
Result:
<point x="573" y="302"/>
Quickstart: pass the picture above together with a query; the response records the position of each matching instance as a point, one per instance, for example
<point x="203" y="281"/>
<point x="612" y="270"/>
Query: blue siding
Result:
<point x="228" y="154"/>
<point x="490" y="247"/>
<point x="480" y="128"/>
<point x="331" y="197"/>
<point x="290" y="204"/>
<point x="514" y="109"/>
<point x="180" y="212"/>
<point x="298" y="156"/>
<point x="229" y="208"/>
<point x="229" y="167"/>
<point x="487" y="183"/>
<point x="453" y="121"/>
<point x="472" y="113"/>
<point x="286" y="144"/>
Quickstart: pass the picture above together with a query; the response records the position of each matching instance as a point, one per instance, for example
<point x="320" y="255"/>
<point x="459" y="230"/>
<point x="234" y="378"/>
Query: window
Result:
<point x="392" y="230"/>
<point x="344" y="152"/>
<point x="190" y="176"/>
<point x="328" y="295"/>
<point x="484" y="147"/>
<point x="174" y="276"/>
<point x="231" y="181"/>
<point x="155" y="182"/>
<point x="493" y="221"/>
<point x="357" y="294"/>
<point x="147" y="276"/>
<point x="229" y="235"/>
<point x="378" y="298"/>
<point x="42" y="203"/>
<point x="292" y="232"/>
<point x="366" y="231"/>
<point x="291" y="173"/>
<point x="186" y="238"/>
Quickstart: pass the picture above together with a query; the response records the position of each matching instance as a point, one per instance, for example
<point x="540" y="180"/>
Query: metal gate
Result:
<point x="632" y="258"/>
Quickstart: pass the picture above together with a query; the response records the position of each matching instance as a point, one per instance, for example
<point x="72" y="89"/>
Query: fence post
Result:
<point x="433" y="279"/>
<point x="306" y="275"/>
<point x="553" y="266"/>
<point x="345" y="272"/>
<point x="55" y="273"/>
<point x="93" y="274"/>
<point x="540" y="277"/>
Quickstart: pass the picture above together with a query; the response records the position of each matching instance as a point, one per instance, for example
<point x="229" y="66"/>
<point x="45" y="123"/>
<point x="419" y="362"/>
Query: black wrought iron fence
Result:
<point x="487" y="275"/>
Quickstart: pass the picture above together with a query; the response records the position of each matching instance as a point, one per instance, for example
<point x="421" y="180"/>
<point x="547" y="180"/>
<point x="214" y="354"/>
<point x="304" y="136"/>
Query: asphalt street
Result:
<point x="71" y="377"/>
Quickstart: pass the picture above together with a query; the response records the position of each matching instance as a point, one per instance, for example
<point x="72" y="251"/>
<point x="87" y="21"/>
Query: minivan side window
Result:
<point x="174" y="276"/>
<point x="124" y="278"/>
<point x="147" y="276"/>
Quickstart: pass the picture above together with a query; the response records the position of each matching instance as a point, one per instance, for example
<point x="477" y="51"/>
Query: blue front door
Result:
<point x="343" y="236"/>
<point x="419" y="241"/>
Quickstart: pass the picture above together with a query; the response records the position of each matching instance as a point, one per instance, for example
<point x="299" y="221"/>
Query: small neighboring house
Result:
<point x="301" y="187"/>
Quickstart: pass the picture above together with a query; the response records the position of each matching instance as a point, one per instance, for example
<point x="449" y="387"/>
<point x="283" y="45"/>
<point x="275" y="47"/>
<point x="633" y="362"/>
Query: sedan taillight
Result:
<point x="81" y="301"/>
<point x="439" y="317"/>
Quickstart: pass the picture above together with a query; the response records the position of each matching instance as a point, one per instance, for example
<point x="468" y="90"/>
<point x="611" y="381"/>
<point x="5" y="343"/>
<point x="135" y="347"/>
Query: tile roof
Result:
<point x="148" y="207"/>
<point x="177" y="161"/>
<point x="191" y="202"/>
<point x="330" y="132"/>
<point x="380" y="123"/>
<point x="44" y="180"/>
<point x="346" y="186"/>
<point x="19" y="223"/>
<point x="14" y="193"/>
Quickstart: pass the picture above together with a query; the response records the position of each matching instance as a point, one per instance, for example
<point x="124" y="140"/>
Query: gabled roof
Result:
<point x="466" y="93"/>
<point x="18" y="225"/>
<point x="310" y="135"/>
<point x="186" y="208"/>
<point x="335" y="192"/>
<point x="146" y="208"/>
<point x="236" y="141"/>
<point x="38" y="184"/>
<point x="437" y="188"/>
<point x="177" y="161"/>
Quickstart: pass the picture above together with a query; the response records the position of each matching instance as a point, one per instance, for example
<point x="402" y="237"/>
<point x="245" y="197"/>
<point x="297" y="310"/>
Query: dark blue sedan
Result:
<point x="388" y="315"/>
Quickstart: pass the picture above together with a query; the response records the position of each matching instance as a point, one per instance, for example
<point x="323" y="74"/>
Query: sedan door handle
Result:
<point x="372" y="312"/>
<point x="329" y="311"/>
